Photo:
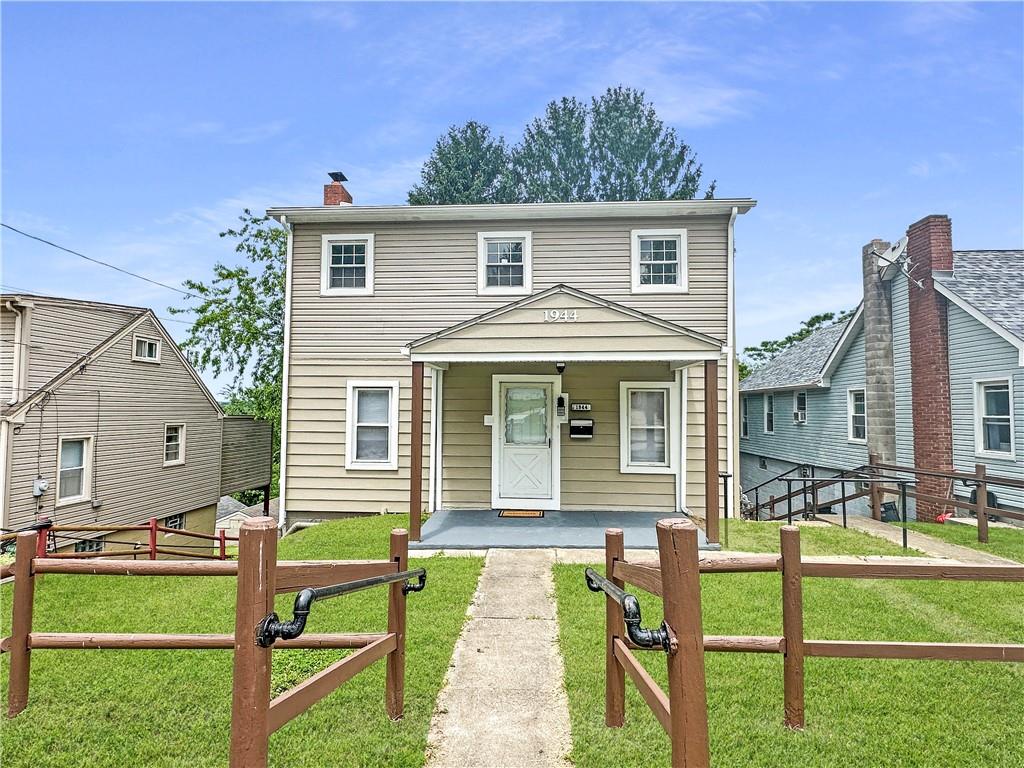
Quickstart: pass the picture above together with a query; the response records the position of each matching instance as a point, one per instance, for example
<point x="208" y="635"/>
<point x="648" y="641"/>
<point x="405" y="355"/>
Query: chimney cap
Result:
<point x="337" y="176"/>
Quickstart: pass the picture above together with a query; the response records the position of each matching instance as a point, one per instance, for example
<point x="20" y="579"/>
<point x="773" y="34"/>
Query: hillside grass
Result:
<point x="173" y="708"/>
<point x="859" y="713"/>
<point x="1004" y="542"/>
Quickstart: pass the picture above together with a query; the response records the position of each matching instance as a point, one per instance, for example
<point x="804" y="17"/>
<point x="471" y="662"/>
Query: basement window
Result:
<point x="371" y="440"/>
<point x="177" y="522"/>
<point x="89" y="545"/>
<point x="993" y="425"/>
<point x="145" y="350"/>
<point x="346" y="267"/>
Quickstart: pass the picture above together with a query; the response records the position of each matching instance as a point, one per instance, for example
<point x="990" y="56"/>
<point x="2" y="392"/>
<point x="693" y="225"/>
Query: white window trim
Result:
<point x="636" y="236"/>
<point x="350" y="424"/>
<point x="979" y="436"/>
<point x="671" y="466"/>
<point x="86" y="494"/>
<point x="849" y="416"/>
<point x="159" y="347"/>
<point x="764" y="415"/>
<point x="326" y="241"/>
<point x="796" y="395"/>
<point x="482" y="288"/>
<point x="744" y="417"/>
<point x="181" y="443"/>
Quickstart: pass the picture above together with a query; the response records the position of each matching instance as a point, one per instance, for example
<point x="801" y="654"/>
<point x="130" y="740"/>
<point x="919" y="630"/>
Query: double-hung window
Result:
<point x="993" y="414"/>
<point x="800" y="407"/>
<point x="646" y="427"/>
<point x="372" y="425"/>
<point x="744" y="424"/>
<point x="74" y="455"/>
<point x="145" y="350"/>
<point x="658" y="259"/>
<point x="346" y="267"/>
<point x="174" y="444"/>
<point x="769" y="414"/>
<point x="856" y="416"/>
<point x="504" y="263"/>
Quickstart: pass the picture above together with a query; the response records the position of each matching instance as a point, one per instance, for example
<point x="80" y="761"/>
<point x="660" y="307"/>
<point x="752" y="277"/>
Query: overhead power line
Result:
<point x="97" y="261"/>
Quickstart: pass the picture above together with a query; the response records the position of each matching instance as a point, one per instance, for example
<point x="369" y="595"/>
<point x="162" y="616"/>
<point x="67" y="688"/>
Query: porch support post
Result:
<point x="711" y="450"/>
<point x="416" y="454"/>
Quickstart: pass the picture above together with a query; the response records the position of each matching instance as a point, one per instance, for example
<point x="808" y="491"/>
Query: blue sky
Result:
<point x="135" y="133"/>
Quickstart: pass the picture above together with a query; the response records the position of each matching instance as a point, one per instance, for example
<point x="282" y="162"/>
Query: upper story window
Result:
<point x="74" y="469"/>
<point x="800" y="407"/>
<point x="372" y="425"/>
<point x="646" y="429"/>
<point x="856" y="416"/>
<point x="744" y="424"/>
<point x="174" y="444"/>
<point x="993" y="418"/>
<point x="769" y="414"/>
<point x="504" y="262"/>
<point x="346" y="267"/>
<point x="658" y="260"/>
<point x="145" y="349"/>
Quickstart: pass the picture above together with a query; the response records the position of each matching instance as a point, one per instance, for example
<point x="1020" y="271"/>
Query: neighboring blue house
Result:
<point x="928" y="372"/>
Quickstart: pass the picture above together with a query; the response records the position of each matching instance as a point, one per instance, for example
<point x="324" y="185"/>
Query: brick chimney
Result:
<point x="879" y="379"/>
<point x="930" y="249"/>
<point x="335" y="192"/>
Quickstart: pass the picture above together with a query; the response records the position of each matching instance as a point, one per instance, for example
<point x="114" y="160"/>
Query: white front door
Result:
<point x="525" y="442"/>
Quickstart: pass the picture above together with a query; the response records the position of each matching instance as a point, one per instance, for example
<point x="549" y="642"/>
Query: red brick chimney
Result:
<point x="335" y="192"/>
<point x="930" y="249"/>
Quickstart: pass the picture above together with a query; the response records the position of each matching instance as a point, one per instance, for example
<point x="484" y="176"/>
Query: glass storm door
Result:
<point x="525" y="441"/>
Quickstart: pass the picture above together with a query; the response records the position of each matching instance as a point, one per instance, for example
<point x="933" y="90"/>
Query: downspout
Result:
<point x="282" y="515"/>
<point x="5" y="452"/>
<point x="730" y="369"/>
<point x="19" y="346"/>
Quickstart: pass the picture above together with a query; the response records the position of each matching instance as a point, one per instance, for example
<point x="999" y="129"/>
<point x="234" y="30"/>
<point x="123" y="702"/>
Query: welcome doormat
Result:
<point x="521" y="513"/>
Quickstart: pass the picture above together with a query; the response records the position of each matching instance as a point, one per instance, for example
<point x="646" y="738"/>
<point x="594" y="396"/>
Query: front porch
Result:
<point x="483" y="529"/>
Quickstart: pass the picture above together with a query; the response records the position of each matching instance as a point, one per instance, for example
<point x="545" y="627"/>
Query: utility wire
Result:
<point x="16" y="289"/>
<point x="97" y="261"/>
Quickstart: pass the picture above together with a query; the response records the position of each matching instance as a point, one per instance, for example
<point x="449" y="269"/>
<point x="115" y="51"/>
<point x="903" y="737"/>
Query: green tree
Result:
<point x="768" y="350"/>
<point x="467" y="165"/>
<point x="238" y="322"/>
<point x="550" y="164"/>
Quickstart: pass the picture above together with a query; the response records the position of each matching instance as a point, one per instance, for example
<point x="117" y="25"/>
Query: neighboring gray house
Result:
<point x="104" y="422"/>
<point x="929" y="372"/>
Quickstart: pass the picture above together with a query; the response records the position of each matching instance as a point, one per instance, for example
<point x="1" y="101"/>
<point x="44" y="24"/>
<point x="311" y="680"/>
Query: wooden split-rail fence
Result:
<point x="254" y="716"/>
<point x="683" y="711"/>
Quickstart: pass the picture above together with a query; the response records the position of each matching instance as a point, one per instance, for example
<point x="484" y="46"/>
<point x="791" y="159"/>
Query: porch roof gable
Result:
<point x="568" y="324"/>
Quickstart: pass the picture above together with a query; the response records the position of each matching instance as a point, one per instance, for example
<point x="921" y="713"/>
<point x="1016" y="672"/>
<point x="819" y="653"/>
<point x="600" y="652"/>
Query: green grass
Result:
<point x="1004" y="542"/>
<point x="859" y="713"/>
<point x="173" y="708"/>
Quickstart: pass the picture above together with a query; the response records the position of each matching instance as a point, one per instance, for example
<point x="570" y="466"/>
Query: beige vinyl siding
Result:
<point x="317" y="483"/>
<point x="64" y="331"/>
<point x="246" y="460"/>
<point x="7" y="352"/>
<point x="124" y="405"/>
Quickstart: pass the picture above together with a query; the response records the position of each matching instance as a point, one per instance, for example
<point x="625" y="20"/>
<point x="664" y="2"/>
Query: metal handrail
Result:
<point x="638" y="635"/>
<point x="272" y="628"/>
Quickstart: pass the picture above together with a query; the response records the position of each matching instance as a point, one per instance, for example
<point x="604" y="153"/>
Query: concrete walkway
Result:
<point x="924" y="543"/>
<point x="504" y="705"/>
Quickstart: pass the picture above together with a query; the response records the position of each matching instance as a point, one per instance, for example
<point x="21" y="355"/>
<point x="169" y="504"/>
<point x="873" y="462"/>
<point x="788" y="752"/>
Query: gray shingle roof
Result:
<point x="798" y="365"/>
<point x="993" y="283"/>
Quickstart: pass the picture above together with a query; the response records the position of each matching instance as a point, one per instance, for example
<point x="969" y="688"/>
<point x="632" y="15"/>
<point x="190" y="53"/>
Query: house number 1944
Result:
<point x="560" y="316"/>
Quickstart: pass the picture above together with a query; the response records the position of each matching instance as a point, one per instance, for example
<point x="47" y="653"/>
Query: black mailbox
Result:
<point x="581" y="429"/>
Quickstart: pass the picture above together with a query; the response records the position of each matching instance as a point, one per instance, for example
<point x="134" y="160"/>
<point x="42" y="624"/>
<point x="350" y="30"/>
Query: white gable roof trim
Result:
<point x="981" y="317"/>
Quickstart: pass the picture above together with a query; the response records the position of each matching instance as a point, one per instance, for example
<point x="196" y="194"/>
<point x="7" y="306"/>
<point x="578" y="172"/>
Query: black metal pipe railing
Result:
<point x="638" y="635"/>
<point x="272" y="628"/>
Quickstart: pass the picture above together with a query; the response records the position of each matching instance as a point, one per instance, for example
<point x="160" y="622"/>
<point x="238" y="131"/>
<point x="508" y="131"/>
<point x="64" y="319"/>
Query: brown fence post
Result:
<point x="223" y="544"/>
<point x="395" y="677"/>
<point x="21" y="621"/>
<point x="152" y="538"/>
<point x="250" y="695"/>
<point x="614" y="674"/>
<point x="687" y="688"/>
<point x="981" y="505"/>
<point x="41" y="535"/>
<point x="875" y="494"/>
<point x="793" y="627"/>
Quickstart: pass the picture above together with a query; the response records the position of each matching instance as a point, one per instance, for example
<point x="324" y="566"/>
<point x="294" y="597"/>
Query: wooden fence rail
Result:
<point x="254" y="716"/>
<point x="682" y="712"/>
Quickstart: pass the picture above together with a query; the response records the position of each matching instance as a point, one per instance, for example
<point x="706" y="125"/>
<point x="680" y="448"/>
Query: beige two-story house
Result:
<point x="489" y="357"/>
<point x="104" y="422"/>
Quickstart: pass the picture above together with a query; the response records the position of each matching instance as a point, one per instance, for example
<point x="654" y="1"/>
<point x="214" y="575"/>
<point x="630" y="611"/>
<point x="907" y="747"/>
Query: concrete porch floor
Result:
<point x="483" y="529"/>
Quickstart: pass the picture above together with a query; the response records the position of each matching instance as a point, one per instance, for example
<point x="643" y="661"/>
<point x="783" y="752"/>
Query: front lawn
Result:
<point x="1004" y="542"/>
<point x="173" y="708"/>
<point x="859" y="713"/>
